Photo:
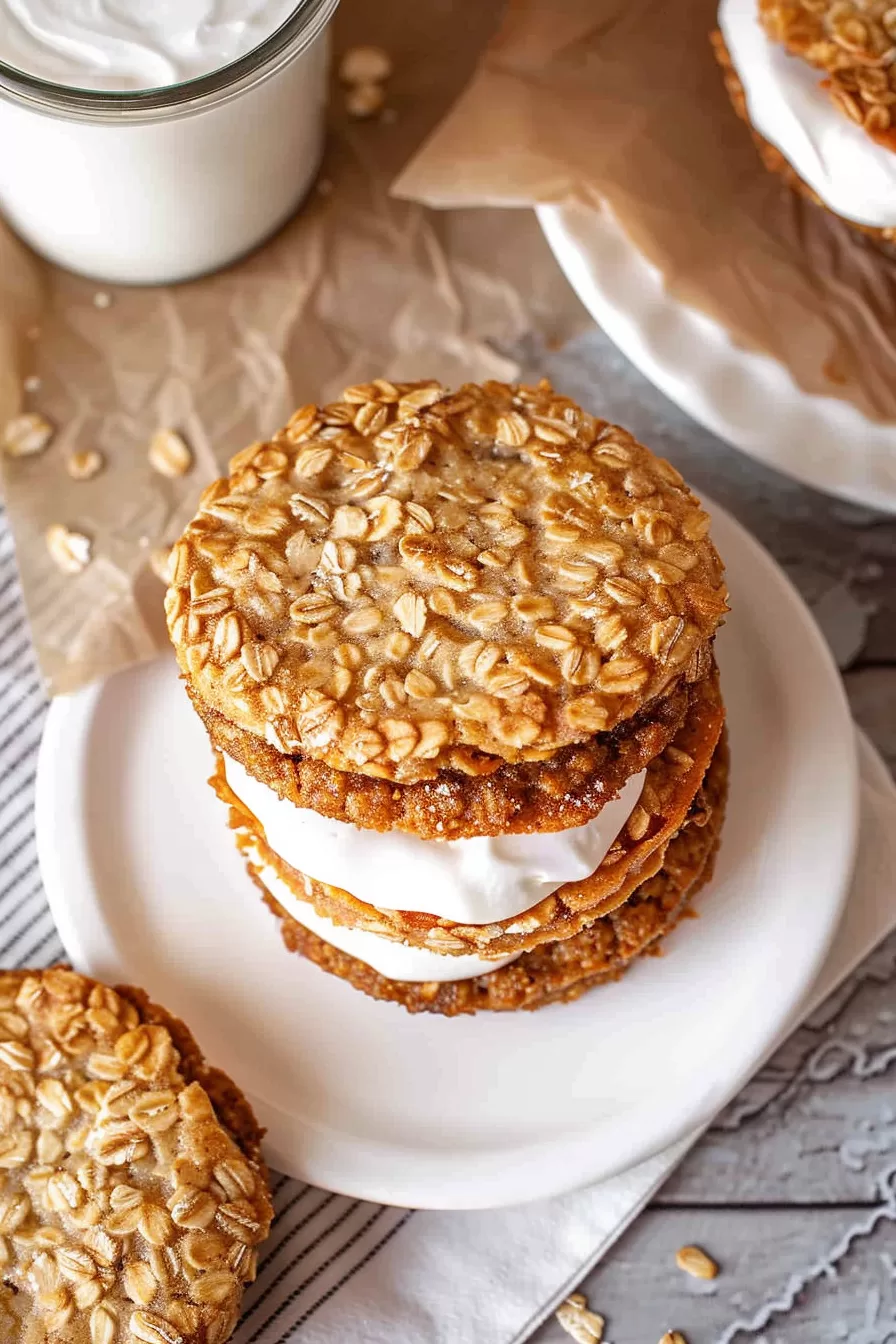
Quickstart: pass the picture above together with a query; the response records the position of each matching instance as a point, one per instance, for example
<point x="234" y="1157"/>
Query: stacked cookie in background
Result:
<point x="453" y="651"/>
<point x="815" y="80"/>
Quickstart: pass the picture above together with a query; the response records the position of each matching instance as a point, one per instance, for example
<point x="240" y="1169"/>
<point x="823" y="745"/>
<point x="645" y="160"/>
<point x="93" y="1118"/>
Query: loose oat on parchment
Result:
<point x="365" y="65"/>
<point x="365" y="70"/>
<point x="27" y="435"/>
<point x="71" y="551"/>
<point x="84" y="465"/>
<point x="169" y="454"/>
<point x="365" y="100"/>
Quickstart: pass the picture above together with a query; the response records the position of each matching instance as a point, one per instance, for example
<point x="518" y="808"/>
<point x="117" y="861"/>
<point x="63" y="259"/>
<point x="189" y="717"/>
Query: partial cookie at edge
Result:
<point x="135" y="1163"/>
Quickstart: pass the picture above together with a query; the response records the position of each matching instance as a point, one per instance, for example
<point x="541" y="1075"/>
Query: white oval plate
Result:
<point x="145" y="885"/>
<point x="746" y="398"/>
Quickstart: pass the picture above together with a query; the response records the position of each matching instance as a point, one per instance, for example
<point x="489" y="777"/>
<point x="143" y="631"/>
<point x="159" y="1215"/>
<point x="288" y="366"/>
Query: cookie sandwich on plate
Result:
<point x="454" y="653"/>
<point x="816" y="82"/>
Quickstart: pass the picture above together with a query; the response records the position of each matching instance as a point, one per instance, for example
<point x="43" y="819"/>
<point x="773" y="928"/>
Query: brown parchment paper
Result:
<point x="621" y="104"/>
<point x="358" y="285"/>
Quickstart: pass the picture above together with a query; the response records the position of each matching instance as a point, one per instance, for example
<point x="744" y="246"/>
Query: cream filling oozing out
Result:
<point x="480" y="880"/>
<point x="397" y="961"/>
<point x="853" y="175"/>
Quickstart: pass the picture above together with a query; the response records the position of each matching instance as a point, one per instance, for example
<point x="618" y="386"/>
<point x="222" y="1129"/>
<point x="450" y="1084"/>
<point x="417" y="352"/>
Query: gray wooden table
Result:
<point x="793" y="1190"/>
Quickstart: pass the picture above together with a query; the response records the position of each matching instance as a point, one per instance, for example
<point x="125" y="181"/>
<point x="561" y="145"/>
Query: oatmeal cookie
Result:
<point x="134" y="1192"/>
<point x="555" y="971"/>
<point x="673" y="782"/>
<point x="410" y="580"/>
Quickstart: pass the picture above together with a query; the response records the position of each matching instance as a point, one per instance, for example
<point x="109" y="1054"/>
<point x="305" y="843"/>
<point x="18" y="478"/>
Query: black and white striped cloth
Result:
<point x="28" y="936"/>
<point x="338" y="1269"/>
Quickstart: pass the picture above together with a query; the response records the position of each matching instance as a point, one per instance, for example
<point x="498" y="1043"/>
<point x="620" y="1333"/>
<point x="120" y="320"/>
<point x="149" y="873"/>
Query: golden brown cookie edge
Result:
<point x="567" y="789"/>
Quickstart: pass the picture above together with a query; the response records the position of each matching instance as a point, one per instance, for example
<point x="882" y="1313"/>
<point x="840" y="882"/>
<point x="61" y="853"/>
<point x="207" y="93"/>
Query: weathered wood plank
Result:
<point x="872" y="695"/>
<point x="797" y="1259"/>
<point x="818" y="1123"/>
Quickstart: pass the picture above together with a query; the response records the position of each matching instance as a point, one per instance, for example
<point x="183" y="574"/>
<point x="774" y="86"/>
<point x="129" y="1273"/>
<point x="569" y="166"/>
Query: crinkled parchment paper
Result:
<point x="359" y="284"/>
<point x="620" y="104"/>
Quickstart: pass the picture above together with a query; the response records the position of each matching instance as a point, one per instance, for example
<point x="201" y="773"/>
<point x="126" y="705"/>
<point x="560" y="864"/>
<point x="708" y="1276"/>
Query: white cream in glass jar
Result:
<point x="150" y="141"/>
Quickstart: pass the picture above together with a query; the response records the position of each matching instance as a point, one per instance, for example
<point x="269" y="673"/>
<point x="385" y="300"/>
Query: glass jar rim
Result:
<point x="174" y="100"/>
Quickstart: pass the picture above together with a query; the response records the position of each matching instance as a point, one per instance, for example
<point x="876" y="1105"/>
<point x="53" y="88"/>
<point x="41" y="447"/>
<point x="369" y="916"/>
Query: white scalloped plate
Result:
<point x="748" y="399"/>
<point x="145" y="885"/>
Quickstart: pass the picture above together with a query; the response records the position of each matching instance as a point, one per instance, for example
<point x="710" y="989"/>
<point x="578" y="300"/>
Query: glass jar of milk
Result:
<point x="150" y="141"/>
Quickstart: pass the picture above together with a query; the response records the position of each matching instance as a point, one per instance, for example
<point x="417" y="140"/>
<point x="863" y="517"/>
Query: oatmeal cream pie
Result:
<point x="557" y="971"/>
<point x="454" y="653"/>
<point x="815" y="80"/>
<point x="133" y="1191"/>
<point x="662" y="796"/>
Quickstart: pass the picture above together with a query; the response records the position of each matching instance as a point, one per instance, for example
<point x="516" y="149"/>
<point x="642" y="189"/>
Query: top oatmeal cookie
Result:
<point x="854" y="42"/>
<point x="405" y="579"/>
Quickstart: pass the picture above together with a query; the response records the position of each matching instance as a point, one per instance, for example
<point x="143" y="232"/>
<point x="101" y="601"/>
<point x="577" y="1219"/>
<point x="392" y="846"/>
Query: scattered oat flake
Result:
<point x="365" y="65"/>
<point x="169" y="455"/>
<point x="70" y="550"/>
<point x="696" y="1262"/>
<point x="364" y="100"/>
<point x="673" y="1337"/>
<point x="101" y="299"/>
<point x="27" y="434"/>
<point x="160" y="562"/>
<point x="585" y="1326"/>
<point x="32" y="383"/>
<point x="84" y="465"/>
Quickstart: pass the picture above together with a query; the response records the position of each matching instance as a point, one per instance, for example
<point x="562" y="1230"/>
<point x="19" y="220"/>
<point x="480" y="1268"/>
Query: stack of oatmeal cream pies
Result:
<point x="454" y="653"/>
